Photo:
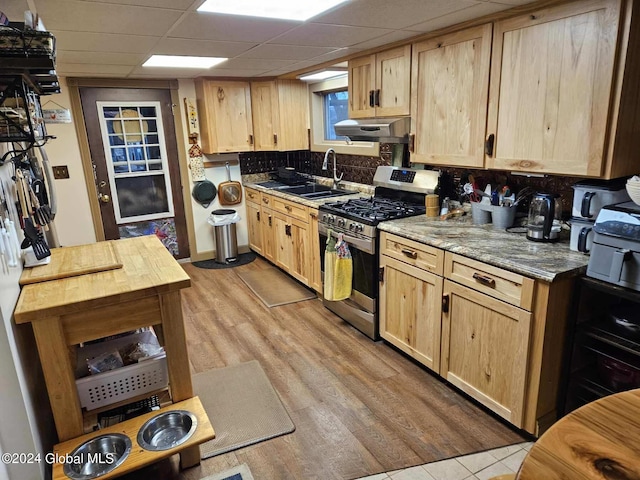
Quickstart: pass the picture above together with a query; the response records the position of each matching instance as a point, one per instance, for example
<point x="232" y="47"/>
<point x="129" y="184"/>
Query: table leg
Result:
<point x="59" y="377"/>
<point x="177" y="361"/>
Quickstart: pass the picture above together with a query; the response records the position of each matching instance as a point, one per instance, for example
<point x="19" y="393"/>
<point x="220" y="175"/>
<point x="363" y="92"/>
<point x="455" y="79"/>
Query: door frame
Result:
<point x="74" y="85"/>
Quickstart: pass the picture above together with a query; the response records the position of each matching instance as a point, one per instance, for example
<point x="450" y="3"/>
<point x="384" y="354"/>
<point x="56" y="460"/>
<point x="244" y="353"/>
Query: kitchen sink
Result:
<point x="308" y="190"/>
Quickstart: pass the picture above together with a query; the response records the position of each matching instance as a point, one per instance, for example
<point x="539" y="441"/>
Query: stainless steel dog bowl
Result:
<point x="97" y="457"/>
<point x="167" y="430"/>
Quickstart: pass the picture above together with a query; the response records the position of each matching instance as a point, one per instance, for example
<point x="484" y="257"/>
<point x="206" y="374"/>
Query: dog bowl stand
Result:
<point x="69" y="311"/>
<point x="139" y="457"/>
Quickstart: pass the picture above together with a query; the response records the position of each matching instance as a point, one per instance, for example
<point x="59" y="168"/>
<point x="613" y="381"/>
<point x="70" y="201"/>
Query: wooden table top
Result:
<point x="600" y="440"/>
<point x="147" y="269"/>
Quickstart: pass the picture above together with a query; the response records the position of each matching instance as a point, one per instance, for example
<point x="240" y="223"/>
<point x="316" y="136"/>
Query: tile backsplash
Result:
<point x="361" y="169"/>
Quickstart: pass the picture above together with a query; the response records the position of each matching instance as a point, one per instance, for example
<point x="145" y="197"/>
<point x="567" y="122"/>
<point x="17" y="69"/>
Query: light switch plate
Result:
<point x="60" y="172"/>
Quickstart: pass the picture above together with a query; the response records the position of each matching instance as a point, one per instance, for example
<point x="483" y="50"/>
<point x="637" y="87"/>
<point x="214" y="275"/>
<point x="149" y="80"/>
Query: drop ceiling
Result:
<point x="113" y="38"/>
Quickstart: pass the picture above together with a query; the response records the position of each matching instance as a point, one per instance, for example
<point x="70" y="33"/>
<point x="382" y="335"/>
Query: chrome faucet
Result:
<point x="336" y="180"/>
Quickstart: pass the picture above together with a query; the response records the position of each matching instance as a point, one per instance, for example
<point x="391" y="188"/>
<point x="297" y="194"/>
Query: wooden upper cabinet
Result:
<point x="225" y="116"/>
<point x="449" y="88"/>
<point x="552" y="89"/>
<point x="380" y="84"/>
<point x="280" y="115"/>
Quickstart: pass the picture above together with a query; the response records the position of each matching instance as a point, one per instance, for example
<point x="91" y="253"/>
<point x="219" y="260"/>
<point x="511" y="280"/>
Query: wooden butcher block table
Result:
<point x="600" y="440"/>
<point x="67" y="311"/>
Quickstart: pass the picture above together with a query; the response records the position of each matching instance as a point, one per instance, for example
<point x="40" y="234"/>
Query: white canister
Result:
<point x="581" y="235"/>
<point x="589" y="196"/>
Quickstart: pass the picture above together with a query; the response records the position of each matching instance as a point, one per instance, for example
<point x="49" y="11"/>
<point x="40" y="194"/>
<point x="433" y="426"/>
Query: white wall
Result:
<point x="203" y="231"/>
<point x="24" y="426"/>
<point x="73" y="220"/>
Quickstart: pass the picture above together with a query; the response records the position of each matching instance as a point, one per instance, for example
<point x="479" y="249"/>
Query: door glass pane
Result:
<point x="133" y="138"/>
<point x="142" y="195"/>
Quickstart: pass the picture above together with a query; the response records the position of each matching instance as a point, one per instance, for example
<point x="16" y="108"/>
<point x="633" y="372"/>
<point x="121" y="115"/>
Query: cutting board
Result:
<point x="73" y="261"/>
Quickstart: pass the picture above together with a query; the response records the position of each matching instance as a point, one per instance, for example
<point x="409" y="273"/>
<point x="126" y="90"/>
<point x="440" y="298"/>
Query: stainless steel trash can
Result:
<point x="224" y="227"/>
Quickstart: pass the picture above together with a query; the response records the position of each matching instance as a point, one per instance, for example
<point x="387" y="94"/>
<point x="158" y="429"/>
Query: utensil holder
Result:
<point x="502" y="217"/>
<point x="480" y="213"/>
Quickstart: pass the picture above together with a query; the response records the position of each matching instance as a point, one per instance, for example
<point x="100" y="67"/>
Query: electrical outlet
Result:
<point x="60" y="172"/>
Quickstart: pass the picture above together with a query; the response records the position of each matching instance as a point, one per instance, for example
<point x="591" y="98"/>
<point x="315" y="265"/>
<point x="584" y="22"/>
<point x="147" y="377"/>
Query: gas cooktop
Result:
<point x="373" y="210"/>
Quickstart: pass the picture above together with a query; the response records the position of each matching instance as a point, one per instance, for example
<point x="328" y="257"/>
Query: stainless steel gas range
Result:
<point x="399" y="193"/>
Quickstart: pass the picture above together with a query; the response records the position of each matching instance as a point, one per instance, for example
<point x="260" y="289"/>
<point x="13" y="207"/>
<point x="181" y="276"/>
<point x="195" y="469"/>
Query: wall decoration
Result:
<point x="56" y="115"/>
<point x="192" y="120"/>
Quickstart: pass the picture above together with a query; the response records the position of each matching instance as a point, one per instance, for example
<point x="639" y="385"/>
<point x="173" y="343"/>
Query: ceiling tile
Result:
<point x="256" y="64"/>
<point x="183" y="46"/>
<point x="70" y="69"/>
<point x="104" y="58"/>
<point x="395" y="36"/>
<point x="234" y="72"/>
<point x="320" y="35"/>
<point x="73" y="15"/>
<point x="286" y="52"/>
<point x="103" y="42"/>
<point x="478" y="10"/>
<point x="396" y="14"/>
<point x="170" y="4"/>
<point x="154" y="72"/>
<point x="229" y="28"/>
<point x="14" y="9"/>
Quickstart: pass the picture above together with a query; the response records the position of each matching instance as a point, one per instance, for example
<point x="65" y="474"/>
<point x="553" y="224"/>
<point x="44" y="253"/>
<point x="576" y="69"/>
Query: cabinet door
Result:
<point x="362" y="87"/>
<point x="450" y="89"/>
<point x="551" y="81"/>
<point x="225" y="116"/>
<point x="268" y="234"/>
<point x="281" y="242"/>
<point x="255" y="227"/>
<point x="315" y="278"/>
<point x="292" y="115"/>
<point x="299" y="255"/>
<point x="393" y="82"/>
<point x="410" y="300"/>
<point x="485" y="347"/>
<point x="264" y="105"/>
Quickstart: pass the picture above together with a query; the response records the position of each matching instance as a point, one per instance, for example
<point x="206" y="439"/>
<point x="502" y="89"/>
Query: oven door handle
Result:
<point x="362" y="244"/>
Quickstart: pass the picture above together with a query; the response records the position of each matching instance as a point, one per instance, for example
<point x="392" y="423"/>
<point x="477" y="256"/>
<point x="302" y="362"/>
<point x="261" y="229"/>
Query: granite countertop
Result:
<point x="511" y="251"/>
<point x="358" y="189"/>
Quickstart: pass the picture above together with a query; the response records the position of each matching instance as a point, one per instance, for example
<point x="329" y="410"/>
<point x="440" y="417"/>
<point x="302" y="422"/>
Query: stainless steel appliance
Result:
<point x="615" y="253"/>
<point x="389" y="130"/>
<point x="544" y="221"/>
<point x="399" y="193"/>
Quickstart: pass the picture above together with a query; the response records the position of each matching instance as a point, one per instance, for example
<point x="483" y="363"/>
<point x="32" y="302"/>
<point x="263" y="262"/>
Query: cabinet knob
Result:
<point x="258" y="215"/>
<point x="371" y="98"/>
<point x="410" y="253"/>
<point x="488" y="145"/>
<point x="275" y="138"/>
<point x="376" y="98"/>
<point x="412" y="142"/>
<point x="445" y="303"/>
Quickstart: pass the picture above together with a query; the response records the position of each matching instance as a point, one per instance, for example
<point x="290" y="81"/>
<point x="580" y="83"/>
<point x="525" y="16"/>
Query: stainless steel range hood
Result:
<point x="388" y="130"/>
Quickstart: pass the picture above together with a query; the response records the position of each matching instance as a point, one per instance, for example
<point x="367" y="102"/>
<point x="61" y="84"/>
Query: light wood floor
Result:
<point x="360" y="407"/>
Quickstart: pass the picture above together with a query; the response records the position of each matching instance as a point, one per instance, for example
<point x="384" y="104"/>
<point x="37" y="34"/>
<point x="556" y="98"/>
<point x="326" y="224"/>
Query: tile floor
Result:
<point x="482" y="466"/>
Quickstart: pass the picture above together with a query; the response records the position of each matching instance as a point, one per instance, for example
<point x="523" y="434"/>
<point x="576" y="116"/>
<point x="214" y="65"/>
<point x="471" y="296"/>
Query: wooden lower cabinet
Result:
<point x="315" y="276"/>
<point x="485" y="347"/>
<point x="254" y="221"/>
<point x="268" y="234"/>
<point x="410" y="310"/>
<point x="291" y="239"/>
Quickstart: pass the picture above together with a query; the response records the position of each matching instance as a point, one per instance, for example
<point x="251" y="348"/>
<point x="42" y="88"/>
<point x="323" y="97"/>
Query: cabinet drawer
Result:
<point x="252" y="195"/>
<point x="290" y="209"/>
<point x="414" y="253"/>
<point x="501" y="284"/>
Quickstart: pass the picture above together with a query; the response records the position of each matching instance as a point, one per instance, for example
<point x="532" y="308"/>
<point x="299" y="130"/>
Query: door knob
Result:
<point x="104" y="198"/>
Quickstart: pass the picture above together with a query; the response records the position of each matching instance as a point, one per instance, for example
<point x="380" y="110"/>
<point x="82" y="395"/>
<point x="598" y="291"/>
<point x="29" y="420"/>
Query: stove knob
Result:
<point x="359" y="228"/>
<point x="331" y="219"/>
<point x="352" y="226"/>
<point x="341" y="222"/>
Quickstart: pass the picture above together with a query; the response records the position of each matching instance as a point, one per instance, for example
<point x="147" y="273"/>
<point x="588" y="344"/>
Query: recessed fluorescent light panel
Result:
<point x="283" y="9"/>
<point x="322" y="75"/>
<point x="182" y="61"/>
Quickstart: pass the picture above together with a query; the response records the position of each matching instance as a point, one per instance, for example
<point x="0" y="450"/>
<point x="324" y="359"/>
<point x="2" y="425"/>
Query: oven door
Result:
<point x="359" y="309"/>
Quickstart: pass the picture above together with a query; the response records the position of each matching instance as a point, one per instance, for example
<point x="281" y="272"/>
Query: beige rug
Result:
<point x="241" y="472"/>
<point x="274" y="287"/>
<point x="242" y="405"/>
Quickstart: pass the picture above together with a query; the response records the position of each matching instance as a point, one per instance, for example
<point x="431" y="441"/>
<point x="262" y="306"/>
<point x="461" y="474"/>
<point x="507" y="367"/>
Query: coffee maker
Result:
<point x="544" y="221"/>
